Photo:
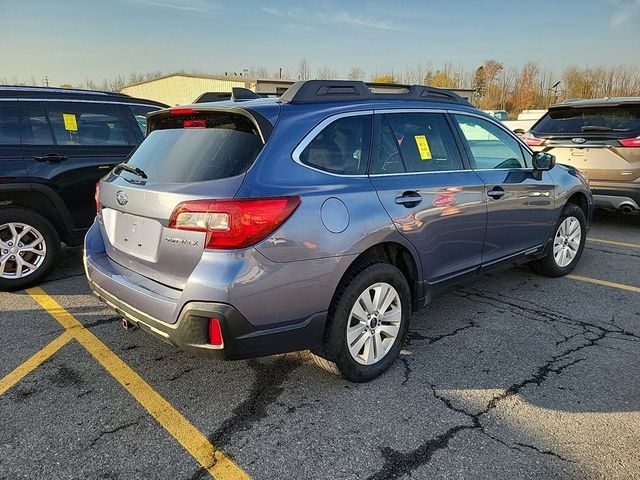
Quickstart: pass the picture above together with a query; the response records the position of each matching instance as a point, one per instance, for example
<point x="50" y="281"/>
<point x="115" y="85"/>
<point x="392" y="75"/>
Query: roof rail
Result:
<point x="29" y="88"/>
<point x="317" y="91"/>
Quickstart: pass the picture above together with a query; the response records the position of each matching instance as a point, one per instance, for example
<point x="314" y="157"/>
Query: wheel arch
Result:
<point x="42" y="200"/>
<point x="398" y="255"/>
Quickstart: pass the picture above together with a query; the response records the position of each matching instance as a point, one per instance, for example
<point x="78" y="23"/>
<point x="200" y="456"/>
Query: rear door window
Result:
<point x="491" y="147"/>
<point x="9" y="123"/>
<point x="34" y="128"/>
<point x="140" y="114"/>
<point x="618" y="121"/>
<point x="342" y="147"/>
<point x="83" y="123"/>
<point x="199" y="147"/>
<point x="415" y="143"/>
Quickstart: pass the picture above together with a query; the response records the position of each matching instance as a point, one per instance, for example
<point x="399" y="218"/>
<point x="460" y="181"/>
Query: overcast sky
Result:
<point x="71" y="40"/>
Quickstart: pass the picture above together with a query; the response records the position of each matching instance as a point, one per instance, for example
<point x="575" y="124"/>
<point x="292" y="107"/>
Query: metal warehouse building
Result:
<point x="182" y="88"/>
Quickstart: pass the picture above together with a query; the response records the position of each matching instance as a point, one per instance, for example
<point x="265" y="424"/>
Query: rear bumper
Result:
<point x="240" y="339"/>
<point x="181" y="317"/>
<point x="608" y="196"/>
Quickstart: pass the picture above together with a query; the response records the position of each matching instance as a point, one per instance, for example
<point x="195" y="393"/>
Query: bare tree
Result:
<point x="326" y="73"/>
<point x="304" y="71"/>
<point x="356" y="73"/>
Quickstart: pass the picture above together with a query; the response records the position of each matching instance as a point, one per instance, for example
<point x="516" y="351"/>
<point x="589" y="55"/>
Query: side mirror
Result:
<point x="543" y="161"/>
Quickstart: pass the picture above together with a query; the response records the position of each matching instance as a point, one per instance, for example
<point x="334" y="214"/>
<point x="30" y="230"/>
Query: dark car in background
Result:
<point x="55" y="144"/>
<point x="601" y="138"/>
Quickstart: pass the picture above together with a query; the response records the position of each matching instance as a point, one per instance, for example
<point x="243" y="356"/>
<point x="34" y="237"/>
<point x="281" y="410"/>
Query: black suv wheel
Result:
<point x="29" y="248"/>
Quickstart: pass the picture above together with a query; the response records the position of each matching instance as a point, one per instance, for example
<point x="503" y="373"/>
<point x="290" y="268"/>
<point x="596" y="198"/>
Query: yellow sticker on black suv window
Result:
<point x="423" y="147"/>
<point x="70" y="122"/>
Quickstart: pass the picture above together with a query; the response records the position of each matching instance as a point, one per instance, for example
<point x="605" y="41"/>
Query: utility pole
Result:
<point x="46" y="80"/>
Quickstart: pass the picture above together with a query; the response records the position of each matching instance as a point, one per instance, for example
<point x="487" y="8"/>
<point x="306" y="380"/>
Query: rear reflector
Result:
<point x="630" y="142"/>
<point x="231" y="224"/>
<point x="531" y="140"/>
<point x="215" y="332"/>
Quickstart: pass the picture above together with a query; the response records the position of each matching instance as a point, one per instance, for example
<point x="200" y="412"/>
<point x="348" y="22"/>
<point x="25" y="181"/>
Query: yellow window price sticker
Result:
<point x="70" y="122"/>
<point x="423" y="147"/>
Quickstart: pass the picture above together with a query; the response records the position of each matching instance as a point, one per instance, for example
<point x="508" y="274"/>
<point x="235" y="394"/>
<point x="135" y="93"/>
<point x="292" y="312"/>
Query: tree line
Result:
<point x="497" y="87"/>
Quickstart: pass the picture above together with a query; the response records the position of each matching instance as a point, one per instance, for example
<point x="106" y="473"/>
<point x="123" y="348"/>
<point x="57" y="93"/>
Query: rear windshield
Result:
<point x="618" y="121"/>
<point x="226" y="147"/>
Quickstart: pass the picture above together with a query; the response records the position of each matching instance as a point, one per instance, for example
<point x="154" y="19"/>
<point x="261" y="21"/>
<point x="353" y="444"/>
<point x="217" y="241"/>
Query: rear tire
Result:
<point x="368" y="320"/>
<point x="29" y="248"/>
<point x="565" y="250"/>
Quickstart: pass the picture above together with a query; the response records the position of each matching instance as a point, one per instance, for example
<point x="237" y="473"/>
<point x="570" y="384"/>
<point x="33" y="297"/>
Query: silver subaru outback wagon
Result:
<point x="322" y="220"/>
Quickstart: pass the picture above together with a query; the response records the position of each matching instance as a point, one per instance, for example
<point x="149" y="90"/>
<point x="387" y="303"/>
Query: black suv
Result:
<point x="54" y="146"/>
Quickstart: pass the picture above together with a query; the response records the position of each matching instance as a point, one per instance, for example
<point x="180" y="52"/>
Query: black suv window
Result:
<point x="491" y="147"/>
<point x="416" y="142"/>
<point x="140" y="114"/>
<point x="341" y="147"/>
<point x="35" y="127"/>
<point x="83" y="123"/>
<point x="9" y="126"/>
<point x="618" y="121"/>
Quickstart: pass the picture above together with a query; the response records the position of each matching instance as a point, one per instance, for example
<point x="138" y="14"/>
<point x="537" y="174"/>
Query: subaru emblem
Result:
<point x="121" y="198"/>
<point x="578" y="140"/>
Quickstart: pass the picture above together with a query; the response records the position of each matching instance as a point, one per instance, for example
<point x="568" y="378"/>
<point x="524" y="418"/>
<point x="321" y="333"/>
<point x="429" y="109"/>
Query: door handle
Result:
<point x="51" y="158"/>
<point x="496" y="193"/>
<point x="409" y="199"/>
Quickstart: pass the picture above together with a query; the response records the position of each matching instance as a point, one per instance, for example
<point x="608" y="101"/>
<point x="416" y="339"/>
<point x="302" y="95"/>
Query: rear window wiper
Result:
<point x="128" y="168"/>
<point x="602" y="128"/>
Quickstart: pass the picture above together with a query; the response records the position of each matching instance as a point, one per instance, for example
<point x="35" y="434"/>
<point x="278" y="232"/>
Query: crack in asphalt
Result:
<point x="103" y="321"/>
<point x="407" y="368"/>
<point x="414" y="335"/>
<point x="114" y="430"/>
<point x="398" y="463"/>
<point x="179" y="374"/>
<point x="267" y="386"/>
<point x="613" y="252"/>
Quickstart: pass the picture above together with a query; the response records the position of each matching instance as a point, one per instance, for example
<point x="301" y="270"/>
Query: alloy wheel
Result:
<point x="22" y="250"/>
<point x="374" y="323"/>
<point x="567" y="241"/>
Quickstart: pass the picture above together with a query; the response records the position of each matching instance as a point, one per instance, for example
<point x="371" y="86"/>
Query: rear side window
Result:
<point x="213" y="145"/>
<point x="491" y="147"/>
<point x="341" y="147"/>
<point x="81" y="123"/>
<point x="622" y="121"/>
<point x="35" y="128"/>
<point x="416" y="142"/>
<point x="9" y="124"/>
<point x="140" y="114"/>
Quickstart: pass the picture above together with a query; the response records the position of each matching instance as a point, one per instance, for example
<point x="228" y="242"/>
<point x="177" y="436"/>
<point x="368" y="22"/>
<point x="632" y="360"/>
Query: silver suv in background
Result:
<point x="601" y="138"/>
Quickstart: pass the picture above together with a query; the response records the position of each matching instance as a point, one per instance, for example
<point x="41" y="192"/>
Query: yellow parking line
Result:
<point x="34" y="362"/>
<point x="612" y="242"/>
<point x="605" y="283"/>
<point x="219" y="465"/>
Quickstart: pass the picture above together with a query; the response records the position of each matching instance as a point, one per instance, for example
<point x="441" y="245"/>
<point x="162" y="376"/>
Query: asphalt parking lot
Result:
<point x="517" y="377"/>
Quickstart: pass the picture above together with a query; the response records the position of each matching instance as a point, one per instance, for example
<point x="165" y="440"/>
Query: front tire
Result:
<point x="367" y="323"/>
<point x="29" y="248"/>
<point x="565" y="250"/>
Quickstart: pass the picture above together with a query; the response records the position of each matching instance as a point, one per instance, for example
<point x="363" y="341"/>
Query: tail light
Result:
<point x="630" y="142"/>
<point x="532" y="140"/>
<point x="97" y="197"/>
<point x="233" y="224"/>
